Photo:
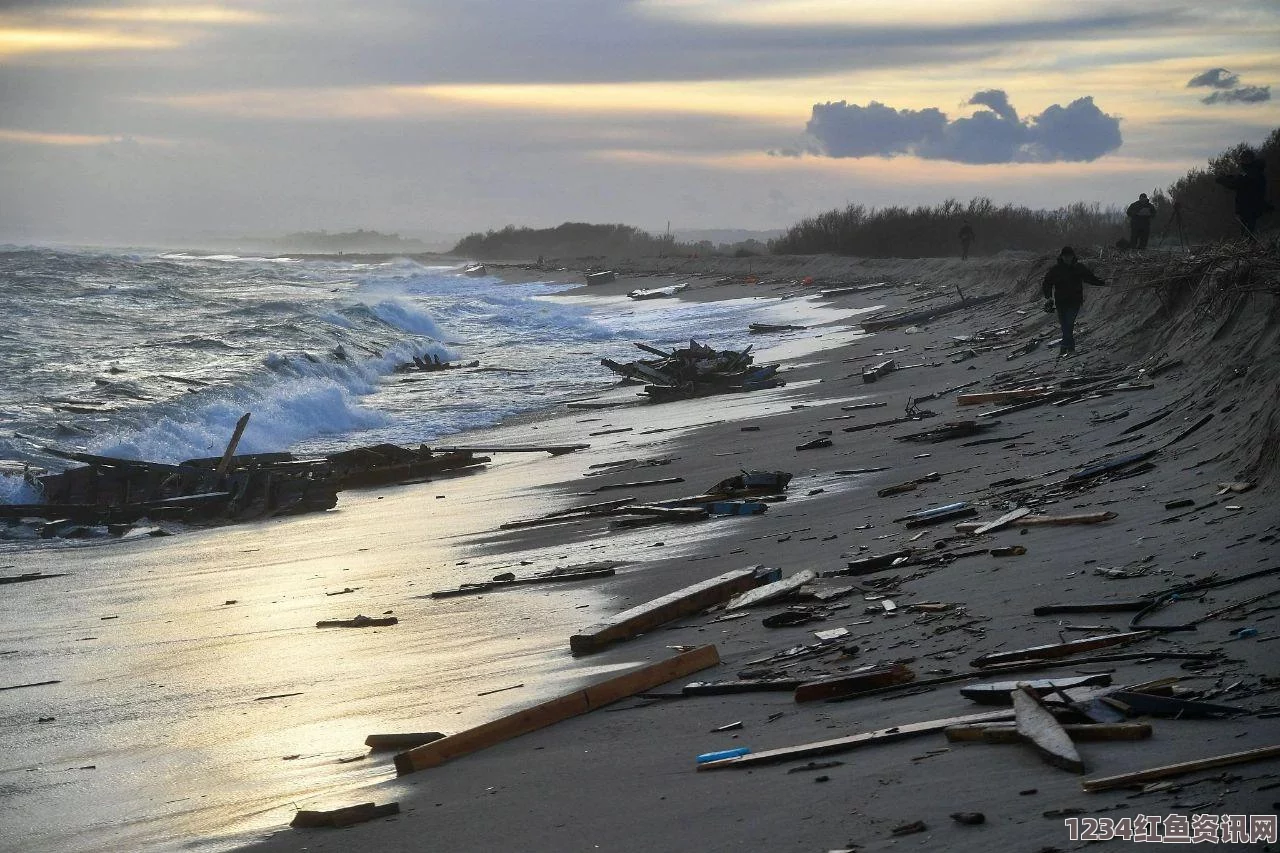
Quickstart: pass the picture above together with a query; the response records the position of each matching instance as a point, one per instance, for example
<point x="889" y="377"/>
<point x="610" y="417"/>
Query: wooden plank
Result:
<point x="401" y="740"/>
<point x="662" y="482"/>
<point x="651" y="614"/>
<point x="1043" y="732"/>
<point x="1169" y="771"/>
<point x="1041" y="520"/>
<point x="1002" y="521"/>
<point x="742" y="685"/>
<point x="998" y="693"/>
<point x="553" y="449"/>
<point x="854" y="682"/>
<point x="1080" y="732"/>
<point x="1001" y="396"/>
<point x="491" y="586"/>
<point x="844" y="744"/>
<point x="771" y="591"/>
<point x="553" y="711"/>
<point x="1060" y="650"/>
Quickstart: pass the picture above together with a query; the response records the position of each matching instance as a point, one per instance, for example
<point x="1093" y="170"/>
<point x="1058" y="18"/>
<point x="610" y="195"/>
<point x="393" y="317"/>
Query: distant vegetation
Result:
<point x="570" y="240"/>
<point x="899" y="232"/>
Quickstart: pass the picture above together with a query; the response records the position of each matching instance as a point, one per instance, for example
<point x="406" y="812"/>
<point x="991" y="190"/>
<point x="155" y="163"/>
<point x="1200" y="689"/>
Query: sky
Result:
<point x="170" y="122"/>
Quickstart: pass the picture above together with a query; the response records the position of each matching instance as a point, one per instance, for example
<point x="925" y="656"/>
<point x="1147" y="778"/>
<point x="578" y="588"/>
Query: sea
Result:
<point x="155" y="355"/>
<point x="175" y="693"/>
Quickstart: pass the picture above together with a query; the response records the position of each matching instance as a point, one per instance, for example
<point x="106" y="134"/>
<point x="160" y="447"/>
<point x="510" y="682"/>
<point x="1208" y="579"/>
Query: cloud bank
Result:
<point x="1078" y="132"/>
<point x="1229" y="90"/>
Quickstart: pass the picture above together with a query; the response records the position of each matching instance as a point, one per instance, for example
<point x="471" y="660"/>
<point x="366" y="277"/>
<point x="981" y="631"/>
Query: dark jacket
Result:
<point x="1141" y="210"/>
<point x="1064" y="283"/>
<point x="966" y="233"/>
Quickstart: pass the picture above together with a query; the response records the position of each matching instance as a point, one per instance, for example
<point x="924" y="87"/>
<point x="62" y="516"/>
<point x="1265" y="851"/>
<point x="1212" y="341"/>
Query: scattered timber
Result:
<point x="358" y="622"/>
<point x="1060" y="650"/>
<point x="638" y="484"/>
<point x="404" y="740"/>
<point x="645" y="617"/>
<point x="844" y="744"/>
<point x="1080" y="732"/>
<point x="338" y="818"/>
<point x="742" y="685"/>
<point x="771" y="592"/>
<point x="644" y="516"/>
<point x="1001" y="396"/>
<point x="1169" y="771"/>
<point x="695" y="371"/>
<point x="769" y="328"/>
<point x="998" y="693"/>
<point x="658" y="292"/>
<point x="553" y="711"/>
<point x="906" y="318"/>
<point x="432" y="365"/>
<point x="1039" y="728"/>
<point x="30" y="576"/>
<point x="1003" y="521"/>
<point x="1039" y="520"/>
<point x="553" y="449"/>
<point x="854" y="682"/>
<point x="1135" y="703"/>
<point x="481" y="587"/>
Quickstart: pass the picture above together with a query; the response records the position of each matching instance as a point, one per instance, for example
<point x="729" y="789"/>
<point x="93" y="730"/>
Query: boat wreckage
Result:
<point x="695" y="371"/>
<point x="106" y="495"/>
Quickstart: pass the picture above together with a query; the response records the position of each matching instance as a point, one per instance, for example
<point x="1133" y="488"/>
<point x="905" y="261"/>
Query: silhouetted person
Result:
<point x="966" y="237"/>
<point x="1064" y="290"/>
<point x="1141" y="214"/>
<point x="1250" y="187"/>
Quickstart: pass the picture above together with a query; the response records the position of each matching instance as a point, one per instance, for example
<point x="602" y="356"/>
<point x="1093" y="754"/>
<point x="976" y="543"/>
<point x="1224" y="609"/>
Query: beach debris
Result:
<point x="909" y="485"/>
<point x="401" y="740"/>
<point x="871" y="565"/>
<point x="553" y="449"/>
<point x="938" y="514"/>
<point x="874" y="372"/>
<point x="683" y="602"/>
<point x="949" y="430"/>
<point x="1134" y="703"/>
<point x="728" y="727"/>
<point x="771" y="592"/>
<point x="909" y="829"/>
<point x="830" y="636"/>
<point x="554" y="710"/>
<point x="642" y="515"/>
<point x="1003" y="521"/>
<point x="1040" y="520"/>
<point x="601" y="277"/>
<point x="999" y="692"/>
<point x="1235" y="488"/>
<point x="722" y="754"/>
<point x="475" y="270"/>
<point x="742" y="685"/>
<point x="566" y="575"/>
<point x="30" y="576"/>
<point x="1010" y="396"/>
<point x="277" y="696"/>
<point x="1008" y="551"/>
<point x="858" y="681"/>
<point x="1179" y="504"/>
<point x="664" y="481"/>
<point x="1039" y="728"/>
<point x="851" y="742"/>
<point x="816" y="444"/>
<point x="338" y="818"/>
<point x="658" y="292"/>
<point x="969" y="818"/>
<point x="768" y="328"/>
<point x="1060" y="650"/>
<point x="696" y="371"/>
<point x="1084" y="732"/>
<point x="815" y="765"/>
<point x="1170" y="771"/>
<point x="31" y="684"/>
<point x="908" y="318"/>
<point x="500" y="689"/>
<point x="358" y="622"/>
<point x="431" y="364"/>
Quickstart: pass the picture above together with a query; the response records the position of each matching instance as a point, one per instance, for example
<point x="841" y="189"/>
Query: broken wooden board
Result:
<point x="1004" y="520"/>
<point x="854" y="682"/>
<point x="771" y="591"/>
<point x="401" y="740"/>
<point x="358" y="622"/>
<point x="742" y="685"/>
<point x="643" y="516"/>
<point x="871" y="565"/>
<point x="553" y="711"/>
<point x="998" y="693"/>
<point x="1039" y="520"/>
<point x="1081" y="732"/>
<point x="1134" y="703"/>
<point x="30" y="576"/>
<point x="338" y="818"/>
<point x="492" y="586"/>
<point x="553" y="449"/>
<point x="844" y="744"/>
<point x="1060" y="650"/>
<point x="645" y="617"/>
<point x="875" y="371"/>
<point x="1001" y="396"/>
<point x="661" y="482"/>
<point x="1039" y="728"/>
<point x="1169" y="771"/>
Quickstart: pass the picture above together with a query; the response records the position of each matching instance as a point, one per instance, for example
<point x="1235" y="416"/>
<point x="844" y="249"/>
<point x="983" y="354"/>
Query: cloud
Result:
<point x="1215" y="78"/>
<point x="1241" y="95"/>
<point x="1077" y="132"/>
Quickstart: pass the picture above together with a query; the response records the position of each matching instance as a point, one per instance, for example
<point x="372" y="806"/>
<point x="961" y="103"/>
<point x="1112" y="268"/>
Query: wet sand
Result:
<point x="623" y="778"/>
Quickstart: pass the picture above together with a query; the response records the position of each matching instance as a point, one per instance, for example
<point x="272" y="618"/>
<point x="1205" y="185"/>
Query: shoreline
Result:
<point x="599" y="781"/>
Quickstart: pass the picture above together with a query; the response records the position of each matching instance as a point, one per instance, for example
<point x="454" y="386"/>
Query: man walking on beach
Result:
<point x="1251" y="192"/>
<point x="1141" y="214"/>
<point x="1064" y="289"/>
<point x="966" y="237"/>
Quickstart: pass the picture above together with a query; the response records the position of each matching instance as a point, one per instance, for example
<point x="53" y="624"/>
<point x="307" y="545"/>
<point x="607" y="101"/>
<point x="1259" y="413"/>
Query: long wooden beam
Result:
<point x="1169" y="771"/>
<point x="651" y="614"/>
<point x="553" y="711"/>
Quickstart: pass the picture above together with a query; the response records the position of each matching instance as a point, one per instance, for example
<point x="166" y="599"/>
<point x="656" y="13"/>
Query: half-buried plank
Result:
<point x="647" y="616"/>
<point x="554" y="710"/>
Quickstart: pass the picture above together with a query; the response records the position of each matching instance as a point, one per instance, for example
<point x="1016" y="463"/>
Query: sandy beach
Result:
<point x="624" y="778"/>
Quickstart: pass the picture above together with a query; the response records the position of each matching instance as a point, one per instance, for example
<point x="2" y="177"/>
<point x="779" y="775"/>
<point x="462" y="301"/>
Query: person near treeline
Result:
<point x="1250" y="186"/>
<point x="1064" y="291"/>
<point x="966" y="237"/>
<point x="1141" y="214"/>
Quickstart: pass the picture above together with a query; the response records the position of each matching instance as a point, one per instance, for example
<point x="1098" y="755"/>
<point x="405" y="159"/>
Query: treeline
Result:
<point x="359" y="240"/>
<point x="1206" y="213"/>
<point x="570" y="240"/>
<point x="924" y="231"/>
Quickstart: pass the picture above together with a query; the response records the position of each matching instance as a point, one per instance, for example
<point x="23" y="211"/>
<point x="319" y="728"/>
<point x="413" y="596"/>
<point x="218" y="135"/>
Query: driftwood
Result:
<point x="405" y="740"/>
<point x="494" y="585"/>
<point x="338" y="818"/>
<point x="1169" y="771"/>
<point x="358" y="622"/>
<point x="1060" y="650"/>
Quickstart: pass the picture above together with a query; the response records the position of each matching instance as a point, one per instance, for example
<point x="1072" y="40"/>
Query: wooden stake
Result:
<point x="1168" y="771"/>
<point x="553" y="711"/>
<point x="225" y="462"/>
